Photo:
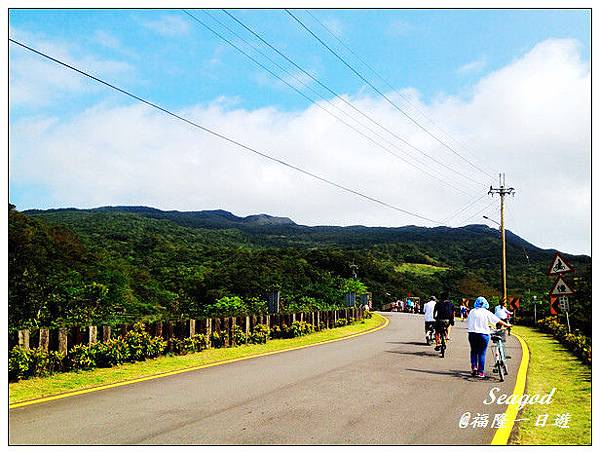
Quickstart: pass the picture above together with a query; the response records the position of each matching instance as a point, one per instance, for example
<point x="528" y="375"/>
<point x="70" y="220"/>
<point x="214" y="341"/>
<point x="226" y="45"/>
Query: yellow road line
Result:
<point x="187" y="369"/>
<point x="503" y="433"/>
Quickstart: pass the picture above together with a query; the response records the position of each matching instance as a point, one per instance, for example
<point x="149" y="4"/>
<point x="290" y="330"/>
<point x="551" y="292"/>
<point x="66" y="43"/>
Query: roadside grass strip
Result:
<point x="553" y="366"/>
<point x="58" y="386"/>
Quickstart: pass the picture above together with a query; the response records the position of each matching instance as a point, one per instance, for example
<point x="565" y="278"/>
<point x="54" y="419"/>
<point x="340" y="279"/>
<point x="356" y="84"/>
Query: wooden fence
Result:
<point x="63" y="339"/>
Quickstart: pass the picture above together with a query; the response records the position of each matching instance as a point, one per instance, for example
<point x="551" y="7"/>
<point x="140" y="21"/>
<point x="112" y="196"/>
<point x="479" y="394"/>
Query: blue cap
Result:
<point x="481" y="302"/>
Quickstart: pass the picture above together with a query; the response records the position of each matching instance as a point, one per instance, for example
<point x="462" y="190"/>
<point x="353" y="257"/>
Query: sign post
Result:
<point x="560" y="290"/>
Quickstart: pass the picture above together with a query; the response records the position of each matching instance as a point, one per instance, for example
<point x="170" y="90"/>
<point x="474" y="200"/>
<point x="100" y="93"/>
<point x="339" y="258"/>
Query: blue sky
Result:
<point x="185" y="64"/>
<point x="511" y="84"/>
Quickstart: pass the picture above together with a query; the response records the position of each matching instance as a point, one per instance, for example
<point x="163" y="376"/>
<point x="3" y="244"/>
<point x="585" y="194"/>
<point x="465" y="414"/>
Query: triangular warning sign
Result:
<point x="559" y="266"/>
<point x="560" y="287"/>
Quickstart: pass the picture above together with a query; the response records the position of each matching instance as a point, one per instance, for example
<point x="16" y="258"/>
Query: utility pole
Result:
<point x="502" y="191"/>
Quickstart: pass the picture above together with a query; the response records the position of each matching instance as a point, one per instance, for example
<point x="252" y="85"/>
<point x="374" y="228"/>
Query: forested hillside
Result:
<point x="128" y="263"/>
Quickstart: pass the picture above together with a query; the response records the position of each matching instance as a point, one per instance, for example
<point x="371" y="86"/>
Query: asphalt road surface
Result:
<point x="387" y="387"/>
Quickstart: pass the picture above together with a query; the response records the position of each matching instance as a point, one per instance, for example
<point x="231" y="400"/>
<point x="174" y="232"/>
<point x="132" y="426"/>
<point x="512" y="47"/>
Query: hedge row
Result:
<point x="575" y="342"/>
<point x="138" y="345"/>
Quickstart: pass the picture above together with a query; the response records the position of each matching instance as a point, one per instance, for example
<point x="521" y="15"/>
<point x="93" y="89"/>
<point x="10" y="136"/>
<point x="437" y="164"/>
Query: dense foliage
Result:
<point x="575" y="342"/>
<point x="122" y="265"/>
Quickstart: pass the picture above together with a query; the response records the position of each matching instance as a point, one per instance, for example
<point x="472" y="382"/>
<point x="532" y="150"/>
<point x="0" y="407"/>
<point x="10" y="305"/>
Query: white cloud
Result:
<point x="169" y="25"/>
<point x="473" y="67"/>
<point x="529" y="119"/>
<point x="35" y="81"/>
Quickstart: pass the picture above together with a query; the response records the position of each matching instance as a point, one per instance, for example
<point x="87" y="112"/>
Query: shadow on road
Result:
<point x="420" y="353"/>
<point x="455" y="373"/>
<point x="410" y="343"/>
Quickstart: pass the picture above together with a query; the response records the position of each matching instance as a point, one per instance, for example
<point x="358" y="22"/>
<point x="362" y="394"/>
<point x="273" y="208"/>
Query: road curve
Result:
<point x="386" y="387"/>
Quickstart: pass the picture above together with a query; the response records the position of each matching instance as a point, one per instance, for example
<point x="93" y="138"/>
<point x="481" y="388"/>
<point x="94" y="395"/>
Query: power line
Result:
<point x="219" y="35"/>
<point x="478" y="212"/>
<point x="341" y="98"/>
<point x="469" y="205"/>
<point x="221" y="136"/>
<point x="387" y="83"/>
<point x="384" y="96"/>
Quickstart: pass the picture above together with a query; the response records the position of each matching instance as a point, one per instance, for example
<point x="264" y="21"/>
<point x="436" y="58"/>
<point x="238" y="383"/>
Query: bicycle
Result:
<point x="443" y="334"/>
<point x="498" y="338"/>
<point x="430" y="334"/>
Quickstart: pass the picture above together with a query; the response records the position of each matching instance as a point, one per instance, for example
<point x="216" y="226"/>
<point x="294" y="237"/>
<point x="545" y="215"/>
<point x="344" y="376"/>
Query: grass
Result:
<point x="34" y="388"/>
<point x="552" y="366"/>
<point x="419" y="269"/>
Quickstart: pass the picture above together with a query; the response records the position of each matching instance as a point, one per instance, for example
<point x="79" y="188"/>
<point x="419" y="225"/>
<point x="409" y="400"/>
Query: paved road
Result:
<point x="386" y="387"/>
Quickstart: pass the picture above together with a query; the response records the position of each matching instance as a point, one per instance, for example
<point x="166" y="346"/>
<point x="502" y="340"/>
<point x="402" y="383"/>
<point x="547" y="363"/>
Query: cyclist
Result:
<point x="478" y="327"/>
<point x="444" y="318"/>
<point x="502" y="312"/>
<point x="428" y="308"/>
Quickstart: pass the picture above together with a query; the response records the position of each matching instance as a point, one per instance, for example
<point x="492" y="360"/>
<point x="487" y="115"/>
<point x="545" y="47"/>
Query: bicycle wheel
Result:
<point x="443" y="345"/>
<point x="500" y="368"/>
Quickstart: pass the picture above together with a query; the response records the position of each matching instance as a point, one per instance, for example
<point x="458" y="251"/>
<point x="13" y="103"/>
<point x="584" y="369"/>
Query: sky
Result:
<point x="428" y="108"/>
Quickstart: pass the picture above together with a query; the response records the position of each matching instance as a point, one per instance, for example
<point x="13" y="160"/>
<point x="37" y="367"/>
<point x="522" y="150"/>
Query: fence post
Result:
<point x="227" y="337"/>
<point x="92" y="334"/>
<point x="158" y="329"/>
<point x="123" y="329"/>
<point x="232" y="325"/>
<point x="247" y="327"/>
<point x="268" y="321"/>
<point x="63" y="340"/>
<point x="24" y="338"/>
<point x="208" y="332"/>
<point x="44" y="339"/>
<point x="192" y="327"/>
<point x="293" y="317"/>
<point x="106" y="333"/>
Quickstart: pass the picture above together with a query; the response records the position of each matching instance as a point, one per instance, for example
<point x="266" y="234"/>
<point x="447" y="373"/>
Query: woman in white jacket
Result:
<point x="478" y="326"/>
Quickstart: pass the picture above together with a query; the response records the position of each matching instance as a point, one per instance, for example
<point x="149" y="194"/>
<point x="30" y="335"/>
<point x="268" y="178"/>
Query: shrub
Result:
<point x="239" y="335"/>
<point x="367" y="314"/>
<point x="259" y="335"/>
<point x="218" y="338"/>
<point x="575" y="342"/>
<point x="192" y="344"/>
<point x="112" y="353"/>
<point x="340" y="322"/>
<point x="24" y="363"/>
<point x="82" y="357"/>
<point x="276" y="332"/>
<point x="141" y="345"/>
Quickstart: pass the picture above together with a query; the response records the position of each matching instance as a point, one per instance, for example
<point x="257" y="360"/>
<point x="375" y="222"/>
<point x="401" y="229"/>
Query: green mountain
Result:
<point x="140" y="262"/>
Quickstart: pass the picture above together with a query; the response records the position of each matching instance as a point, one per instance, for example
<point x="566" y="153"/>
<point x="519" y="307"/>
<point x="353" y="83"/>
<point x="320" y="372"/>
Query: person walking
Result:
<point x="478" y="327"/>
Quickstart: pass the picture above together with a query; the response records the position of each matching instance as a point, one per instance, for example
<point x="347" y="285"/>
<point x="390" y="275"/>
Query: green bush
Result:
<point x="141" y="345"/>
<point x="192" y="344"/>
<point x="24" y="363"/>
<point x="218" y="338"/>
<point x="575" y="342"/>
<point x="259" y="335"/>
<point x="340" y="322"/>
<point x="296" y="329"/>
<point x="82" y="357"/>
<point x="276" y="332"/>
<point x="367" y="314"/>
<point x="239" y="335"/>
<point x="112" y="353"/>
